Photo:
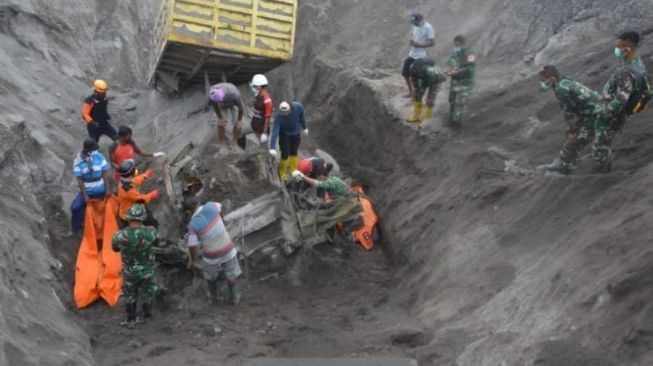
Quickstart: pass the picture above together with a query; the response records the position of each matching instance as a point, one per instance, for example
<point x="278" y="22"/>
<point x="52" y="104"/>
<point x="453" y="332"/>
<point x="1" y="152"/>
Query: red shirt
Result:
<point x="262" y="106"/>
<point x="121" y="152"/>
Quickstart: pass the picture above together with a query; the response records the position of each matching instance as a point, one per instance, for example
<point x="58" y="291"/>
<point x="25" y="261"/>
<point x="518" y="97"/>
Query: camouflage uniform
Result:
<point x="463" y="62"/>
<point x="135" y="245"/>
<point x="428" y="83"/>
<point x="583" y="108"/>
<point x="616" y="93"/>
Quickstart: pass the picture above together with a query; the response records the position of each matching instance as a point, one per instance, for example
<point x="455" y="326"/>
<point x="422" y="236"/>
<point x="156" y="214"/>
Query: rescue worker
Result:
<point x="262" y="107"/>
<point x="621" y="95"/>
<point x="94" y="112"/>
<point x="331" y="184"/>
<point x="461" y="68"/>
<point x="129" y="193"/>
<point x="427" y="78"/>
<point x="135" y="244"/>
<point x="422" y="38"/>
<point x="92" y="172"/>
<point x="228" y="106"/>
<point x="125" y="148"/>
<point x="582" y="107"/>
<point x="207" y="232"/>
<point x="289" y="122"/>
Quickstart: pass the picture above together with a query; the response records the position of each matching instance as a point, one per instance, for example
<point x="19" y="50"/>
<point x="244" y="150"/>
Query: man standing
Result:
<point x="461" y="68"/>
<point x="206" y="231"/>
<point x="262" y="107"/>
<point x="125" y="148"/>
<point x="92" y="172"/>
<point x="427" y="78"/>
<point x="624" y="94"/>
<point x="95" y="113"/>
<point x="228" y="106"/>
<point x="289" y="122"/>
<point x="582" y="107"/>
<point x="422" y="38"/>
<point x="135" y="244"/>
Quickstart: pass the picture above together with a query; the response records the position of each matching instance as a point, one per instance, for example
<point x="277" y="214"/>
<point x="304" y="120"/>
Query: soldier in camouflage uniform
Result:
<point x="617" y="94"/>
<point x="135" y="243"/>
<point x="427" y="78"/>
<point x="583" y="108"/>
<point x="461" y="67"/>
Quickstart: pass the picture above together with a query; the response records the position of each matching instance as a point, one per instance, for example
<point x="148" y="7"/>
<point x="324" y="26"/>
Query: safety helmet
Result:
<point x="217" y="95"/>
<point x="284" y="107"/>
<point x="305" y="166"/>
<point x="100" y="86"/>
<point x="89" y="145"/>
<point x="136" y="213"/>
<point x="259" y="80"/>
<point x="127" y="168"/>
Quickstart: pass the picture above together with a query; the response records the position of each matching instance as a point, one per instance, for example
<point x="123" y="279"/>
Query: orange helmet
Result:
<point x="100" y="86"/>
<point x="305" y="166"/>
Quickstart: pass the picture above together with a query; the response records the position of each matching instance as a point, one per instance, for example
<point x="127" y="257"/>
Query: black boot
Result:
<point x="147" y="313"/>
<point x="213" y="291"/>
<point x="130" y="322"/>
<point x="235" y="294"/>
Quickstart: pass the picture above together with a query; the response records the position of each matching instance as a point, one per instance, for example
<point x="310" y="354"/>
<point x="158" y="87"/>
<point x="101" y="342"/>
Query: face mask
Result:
<point x="457" y="49"/>
<point x="254" y="90"/>
<point x="544" y="86"/>
<point x="618" y="53"/>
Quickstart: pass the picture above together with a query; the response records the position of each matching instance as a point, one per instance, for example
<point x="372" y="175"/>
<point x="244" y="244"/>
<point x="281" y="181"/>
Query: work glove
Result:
<point x="273" y="152"/>
<point x="94" y="124"/>
<point x="149" y="173"/>
<point x="306" y="132"/>
<point x="159" y="154"/>
<point x="297" y="174"/>
<point x="154" y="194"/>
<point x="264" y="138"/>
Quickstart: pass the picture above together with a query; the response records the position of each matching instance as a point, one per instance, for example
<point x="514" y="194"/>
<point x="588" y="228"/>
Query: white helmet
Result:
<point x="259" y="80"/>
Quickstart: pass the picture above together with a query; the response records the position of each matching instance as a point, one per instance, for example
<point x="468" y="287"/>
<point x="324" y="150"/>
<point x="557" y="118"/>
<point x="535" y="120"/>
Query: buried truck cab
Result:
<point x="197" y="40"/>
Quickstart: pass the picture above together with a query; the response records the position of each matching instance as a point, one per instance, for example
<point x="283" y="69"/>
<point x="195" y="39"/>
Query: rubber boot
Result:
<point x="235" y="293"/>
<point x="130" y="323"/>
<point x="558" y="166"/>
<point x="147" y="313"/>
<point x="213" y="291"/>
<point x="417" y="113"/>
<point x="428" y="113"/>
<point x="292" y="163"/>
<point x="283" y="169"/>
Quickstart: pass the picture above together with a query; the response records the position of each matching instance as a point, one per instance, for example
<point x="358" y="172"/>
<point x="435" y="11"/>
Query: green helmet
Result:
<point x="136" y="213"/>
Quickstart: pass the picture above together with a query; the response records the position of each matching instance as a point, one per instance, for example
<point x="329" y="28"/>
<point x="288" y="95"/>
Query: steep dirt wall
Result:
<point x="51" y="51"/>
<point x="505" y="268"/>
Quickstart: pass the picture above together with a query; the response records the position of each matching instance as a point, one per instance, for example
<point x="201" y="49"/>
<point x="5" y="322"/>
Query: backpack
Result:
<point x="642" y="94"/>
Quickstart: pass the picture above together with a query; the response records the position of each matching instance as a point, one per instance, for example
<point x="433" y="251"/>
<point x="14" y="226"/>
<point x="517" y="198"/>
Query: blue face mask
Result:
<point x="618" y="53"/>
<point x="457" y="49"/>
<point x="544" y="86"/>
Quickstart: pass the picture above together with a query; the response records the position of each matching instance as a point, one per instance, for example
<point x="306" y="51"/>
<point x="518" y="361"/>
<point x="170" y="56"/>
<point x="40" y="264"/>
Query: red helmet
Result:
<point x="305" y="166"/>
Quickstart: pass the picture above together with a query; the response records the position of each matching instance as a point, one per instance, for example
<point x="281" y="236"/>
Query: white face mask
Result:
<point x="254" y="89"/>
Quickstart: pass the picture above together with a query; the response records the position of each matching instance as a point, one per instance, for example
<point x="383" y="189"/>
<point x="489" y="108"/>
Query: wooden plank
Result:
<point x="196" y="69"/>
<point x="283" y="55"/>
<point x="252" y="35"/>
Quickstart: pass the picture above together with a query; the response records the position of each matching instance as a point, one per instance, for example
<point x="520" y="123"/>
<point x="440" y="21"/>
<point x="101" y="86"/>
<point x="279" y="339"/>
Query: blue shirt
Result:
<point x="290" y="125"/>
<point x="91" y="169"/>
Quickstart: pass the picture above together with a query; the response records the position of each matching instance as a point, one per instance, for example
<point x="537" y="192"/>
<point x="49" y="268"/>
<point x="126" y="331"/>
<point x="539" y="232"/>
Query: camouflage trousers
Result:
<point x="606" y="127"/>
<point x="138" y="286"/>
<point x="431" y="93"/>
<point x="458" y="101"/>
<point x="576" y="139"/>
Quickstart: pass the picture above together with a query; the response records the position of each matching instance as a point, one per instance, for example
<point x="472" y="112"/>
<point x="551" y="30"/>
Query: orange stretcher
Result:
<point x="365" y="235"/>
<point x="97" y="274"/>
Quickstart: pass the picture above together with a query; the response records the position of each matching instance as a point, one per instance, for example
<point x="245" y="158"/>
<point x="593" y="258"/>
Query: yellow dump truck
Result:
<point x="201" y="40"/>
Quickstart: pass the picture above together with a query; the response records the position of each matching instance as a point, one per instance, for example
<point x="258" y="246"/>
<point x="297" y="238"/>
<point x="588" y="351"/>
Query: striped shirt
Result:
<point x="206" y="229"/>
<point x="90" y="169"/>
